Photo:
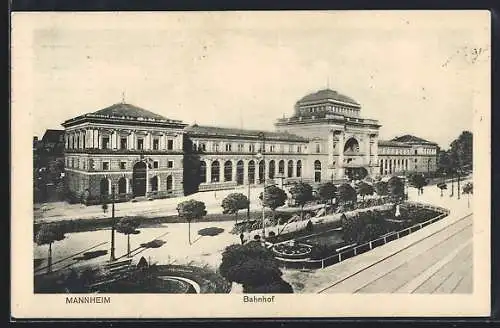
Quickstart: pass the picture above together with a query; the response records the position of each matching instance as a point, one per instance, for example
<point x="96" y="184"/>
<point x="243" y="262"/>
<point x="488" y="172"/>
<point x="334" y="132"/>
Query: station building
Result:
<point x="143" y="154"/>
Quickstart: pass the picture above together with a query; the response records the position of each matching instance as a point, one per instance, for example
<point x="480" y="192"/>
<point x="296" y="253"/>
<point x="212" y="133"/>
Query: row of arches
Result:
<point x="256" y="171"/>
<point x="123" y="186"/>
<point x="224" y="172"/>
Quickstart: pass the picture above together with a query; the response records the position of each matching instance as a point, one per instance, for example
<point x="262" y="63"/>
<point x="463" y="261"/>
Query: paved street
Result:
<point x="440" y="263"/>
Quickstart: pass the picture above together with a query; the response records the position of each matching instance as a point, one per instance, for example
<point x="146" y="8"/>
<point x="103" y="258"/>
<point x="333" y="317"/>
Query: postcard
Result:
<point x="268" y="164"/>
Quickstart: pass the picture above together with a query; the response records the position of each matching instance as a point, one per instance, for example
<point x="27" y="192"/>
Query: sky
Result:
<point x="414" y="72"/>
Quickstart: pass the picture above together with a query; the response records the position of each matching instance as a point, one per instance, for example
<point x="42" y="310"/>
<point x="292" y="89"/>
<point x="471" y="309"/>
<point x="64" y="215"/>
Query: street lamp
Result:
<point x="112" y="256"/>
<point x="262" y="155"/>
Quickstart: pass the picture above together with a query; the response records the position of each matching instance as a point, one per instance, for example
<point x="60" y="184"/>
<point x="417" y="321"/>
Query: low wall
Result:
<point x="359" y="249"/>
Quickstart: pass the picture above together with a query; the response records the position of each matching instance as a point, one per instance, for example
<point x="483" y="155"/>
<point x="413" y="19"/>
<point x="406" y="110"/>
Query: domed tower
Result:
<point x="342" y="144"/>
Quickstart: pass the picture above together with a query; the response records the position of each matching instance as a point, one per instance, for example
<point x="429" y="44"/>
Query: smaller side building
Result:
<point x="407" y="154"/>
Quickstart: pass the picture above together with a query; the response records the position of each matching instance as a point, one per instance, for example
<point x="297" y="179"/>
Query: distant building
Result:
<point x="407" y="154"/>
<point x="53" y="142"/>
<point x="146" y="154"/>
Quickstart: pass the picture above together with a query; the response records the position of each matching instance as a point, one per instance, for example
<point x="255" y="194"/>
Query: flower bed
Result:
<point x="363" y="231"/>
<point x="292" y="250"/>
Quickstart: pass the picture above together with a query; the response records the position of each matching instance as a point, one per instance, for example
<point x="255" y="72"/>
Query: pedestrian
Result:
<point x="242" y="238"/>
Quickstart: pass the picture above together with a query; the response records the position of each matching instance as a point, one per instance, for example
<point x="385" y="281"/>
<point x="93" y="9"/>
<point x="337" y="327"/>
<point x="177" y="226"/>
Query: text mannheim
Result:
<point x="143" y="154"/>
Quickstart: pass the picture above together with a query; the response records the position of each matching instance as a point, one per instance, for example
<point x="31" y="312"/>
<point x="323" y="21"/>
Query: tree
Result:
<point x="128" y="226"/>
<point x="467" y="189"/>
<point x="233" y="203"/>
<point x="251" y="265"/>
<point x="365" y="189"/>
<point x="48" y="234"/>
<point x="396" y="190"/>
<point x="442" y="186"/>
<point x="444" y="162"/>
<point x="301" y="193"/>
<point x="274" y="198"/>
<point x="418" y="181"/>
<point x="191" y="210"/>
<point x="346" y="194"/>
<point x="381" y="188"/>
<point x="327" y="191"/>
<point x="461" y="151"/>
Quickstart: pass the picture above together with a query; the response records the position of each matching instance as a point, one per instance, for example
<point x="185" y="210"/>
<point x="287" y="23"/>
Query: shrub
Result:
<point x="278" y="286"/>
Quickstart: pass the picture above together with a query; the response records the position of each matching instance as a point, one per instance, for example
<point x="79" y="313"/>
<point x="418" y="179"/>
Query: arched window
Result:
<point x="272" y="169"/>
<point x="154" y="183"/>
<point x="262" y="174"/>
<point x="203" y="172"/>
<point x="122" y="186"/>
<point x="352" y="146"/>
<point x="281" y="167"/>
<point x="228" y="171"/>
<point x="290" y="168"/>
<point x="215" y="171"/>
<point x="169" y="183"/>
<point x="251" y="172"/>
<point x="317" y="171"/>
<point x="240" y="172"/>
<point x="299" y="169"/>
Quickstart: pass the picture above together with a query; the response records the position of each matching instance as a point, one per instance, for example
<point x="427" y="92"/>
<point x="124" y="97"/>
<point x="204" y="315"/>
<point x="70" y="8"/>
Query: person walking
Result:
<point x="242" y="238"/>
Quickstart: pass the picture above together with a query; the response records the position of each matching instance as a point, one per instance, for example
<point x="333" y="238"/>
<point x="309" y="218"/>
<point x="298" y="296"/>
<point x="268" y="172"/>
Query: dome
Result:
<point x="325" y="94"/>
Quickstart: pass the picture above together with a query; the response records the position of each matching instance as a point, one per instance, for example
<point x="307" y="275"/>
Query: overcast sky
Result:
<point x="413" y="72"/>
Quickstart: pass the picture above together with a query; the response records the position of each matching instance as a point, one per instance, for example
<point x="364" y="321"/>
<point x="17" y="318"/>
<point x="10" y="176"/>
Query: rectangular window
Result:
<point x="290" y="148"/>
<point x="140" y="143"/>
<point x="170" y="144"/>
<point x="123" y="165"/>
<point x="299" y="149"/>
<point x="240" y="147"/>
<point x="228" y="147"/>
<point x="155" y="165"/>
<point x="105" y="142"/>
<point x="271" y="148"/>
<point x="156" y="144"/>
<point x="203" y="147"/>
<point x="216" y="147"/>
<point x="415" y="152"/>
<point x="123" y="143"/>
<point x="251" y="148"/>
<point x="170" y="164"/>
<point x="105" y="166"/>
<point x="318" y="148"/>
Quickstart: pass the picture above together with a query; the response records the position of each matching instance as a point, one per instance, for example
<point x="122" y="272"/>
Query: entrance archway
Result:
<point x="104" y="187"/>
<point x="139" y="179"/>
<point x="251" y="172"/>
<point x="122" y="186"/>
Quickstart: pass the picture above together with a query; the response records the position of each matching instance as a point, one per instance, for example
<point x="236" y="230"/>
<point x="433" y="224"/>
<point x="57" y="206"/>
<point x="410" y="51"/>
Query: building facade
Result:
<point x="137" y="151"/>
<point x="407" y="154"/>
<point x="143" y="154"/>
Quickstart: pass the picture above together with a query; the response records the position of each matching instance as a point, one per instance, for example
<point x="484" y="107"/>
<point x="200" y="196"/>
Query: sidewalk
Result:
<point x="158" y="207"/>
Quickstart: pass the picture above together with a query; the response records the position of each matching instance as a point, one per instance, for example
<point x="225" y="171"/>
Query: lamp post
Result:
<point x="112" y="256"/>
<point x="263" y="151"/>
<point x="458" y="183"/>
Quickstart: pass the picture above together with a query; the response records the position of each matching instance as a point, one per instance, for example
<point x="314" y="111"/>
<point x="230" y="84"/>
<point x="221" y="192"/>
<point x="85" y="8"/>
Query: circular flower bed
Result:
<point x="292" y="250"/>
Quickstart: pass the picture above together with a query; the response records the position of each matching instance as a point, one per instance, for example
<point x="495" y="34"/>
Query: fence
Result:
<point x="344" y="255"/>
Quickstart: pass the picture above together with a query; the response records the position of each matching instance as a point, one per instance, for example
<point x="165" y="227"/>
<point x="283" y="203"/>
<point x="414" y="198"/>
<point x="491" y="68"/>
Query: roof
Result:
<point x="390" y="143"/>
<point x="53" y="136"/>
<point x="199" y="130"/>
<point x="326" y="94"/>
<point x="413" y="140"/>
<point x="128" y="110"/>
<point x="124" y="112"/>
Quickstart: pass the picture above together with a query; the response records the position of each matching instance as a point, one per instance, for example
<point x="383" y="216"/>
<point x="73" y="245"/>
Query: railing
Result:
<point x="342" y="256"/>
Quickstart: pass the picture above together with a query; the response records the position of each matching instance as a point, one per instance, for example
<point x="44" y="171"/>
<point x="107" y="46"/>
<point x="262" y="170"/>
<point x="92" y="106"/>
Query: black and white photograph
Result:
<point x="267" y="160"/>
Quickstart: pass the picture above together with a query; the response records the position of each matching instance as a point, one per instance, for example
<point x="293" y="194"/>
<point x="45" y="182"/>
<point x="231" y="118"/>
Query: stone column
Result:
<point x="330" y="169"/>
<point x="99" y="142"/>
<point x="367" y="147"/>
<point x="245" y="172"/>
<point x="234" y="169"/>
<point x="340" y="164"/>
<point x="209" y="170"/>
